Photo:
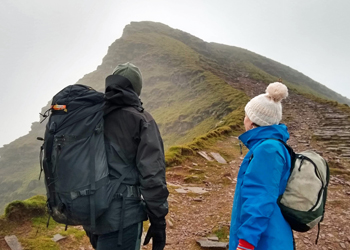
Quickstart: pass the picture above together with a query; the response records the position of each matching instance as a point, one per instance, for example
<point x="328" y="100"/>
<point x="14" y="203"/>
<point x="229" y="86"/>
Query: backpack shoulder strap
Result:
<point x="289" y="148"/>
<point x="293" y="155"/>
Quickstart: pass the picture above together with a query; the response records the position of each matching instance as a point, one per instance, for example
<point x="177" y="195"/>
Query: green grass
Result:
<point x="232" y="125"/>
<point x="194" y="178"/>
<point x="222" y="233"/>
<point x="40" y="223"/>
<point x="19" y="210"/>
<point x="40" y="242"/>
<point x="78" y="234"/>
<point x="27" y="220"/>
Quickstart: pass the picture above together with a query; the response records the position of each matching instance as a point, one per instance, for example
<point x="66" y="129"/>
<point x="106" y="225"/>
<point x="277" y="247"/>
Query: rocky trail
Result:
<point x="319" y="127"/>
<point x="195" y="215"/>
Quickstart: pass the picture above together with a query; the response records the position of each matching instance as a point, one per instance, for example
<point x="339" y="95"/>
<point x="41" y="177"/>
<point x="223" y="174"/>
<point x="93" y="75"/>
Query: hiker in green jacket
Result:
<point x="135" y="152"/>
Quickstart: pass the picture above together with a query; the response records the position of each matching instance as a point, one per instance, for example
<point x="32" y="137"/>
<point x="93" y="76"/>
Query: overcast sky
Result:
<point x="46" y="45"/>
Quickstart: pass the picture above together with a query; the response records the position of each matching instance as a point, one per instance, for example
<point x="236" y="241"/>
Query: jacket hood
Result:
<point x="251" y="137"/>
<point x="120" y="93"/>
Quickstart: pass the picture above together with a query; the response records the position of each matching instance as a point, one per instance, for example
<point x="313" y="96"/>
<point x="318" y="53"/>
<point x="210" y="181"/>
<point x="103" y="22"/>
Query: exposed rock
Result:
<point x="205" y="243"/>
<point x="58" y="237"/>
<point x="204" y="155"/>
<point x="196" y="190"/>
<point x="213" y="238"/>
<point x="177" y="167"/>
<point x="13" y="242"/>
<point x="181" y="191"/>
<point x="218" y="158"/>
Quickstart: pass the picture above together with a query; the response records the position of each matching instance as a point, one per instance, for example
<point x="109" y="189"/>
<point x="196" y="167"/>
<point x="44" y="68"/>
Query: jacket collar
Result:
<point x="253" y="136"/>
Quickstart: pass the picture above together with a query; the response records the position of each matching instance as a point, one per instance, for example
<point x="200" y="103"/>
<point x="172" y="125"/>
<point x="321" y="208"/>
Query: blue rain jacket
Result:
<point x="256" y="217"/>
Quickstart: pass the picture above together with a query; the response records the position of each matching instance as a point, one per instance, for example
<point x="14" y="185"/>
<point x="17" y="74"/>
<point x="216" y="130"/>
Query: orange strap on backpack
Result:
<point x="59" y="107"/>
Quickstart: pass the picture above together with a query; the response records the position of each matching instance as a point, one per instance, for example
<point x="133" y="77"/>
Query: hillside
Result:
<point x="191" y="87"/>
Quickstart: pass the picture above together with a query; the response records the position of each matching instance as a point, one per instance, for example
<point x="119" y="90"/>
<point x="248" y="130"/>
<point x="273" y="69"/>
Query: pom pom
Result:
<point x="277" y="91"/>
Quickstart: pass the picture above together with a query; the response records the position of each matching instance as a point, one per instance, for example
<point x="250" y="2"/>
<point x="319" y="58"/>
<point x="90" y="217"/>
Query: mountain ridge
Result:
<point x="273" y="67"/>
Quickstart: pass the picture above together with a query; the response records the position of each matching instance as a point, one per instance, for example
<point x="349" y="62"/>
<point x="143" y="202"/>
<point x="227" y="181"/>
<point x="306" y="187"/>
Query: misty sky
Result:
<point x="47" y="45"/>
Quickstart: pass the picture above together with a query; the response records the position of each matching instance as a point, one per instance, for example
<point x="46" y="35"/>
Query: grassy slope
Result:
<point x="237" y="59"/>
<point x="27" y="220"/>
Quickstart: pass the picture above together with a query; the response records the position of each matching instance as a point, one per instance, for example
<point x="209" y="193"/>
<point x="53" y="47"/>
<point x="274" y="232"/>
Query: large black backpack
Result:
<point x="74" y="161"/>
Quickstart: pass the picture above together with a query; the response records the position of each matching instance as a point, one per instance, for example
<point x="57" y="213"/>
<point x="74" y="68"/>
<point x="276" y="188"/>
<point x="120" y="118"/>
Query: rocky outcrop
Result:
<point x="334" y="132"/>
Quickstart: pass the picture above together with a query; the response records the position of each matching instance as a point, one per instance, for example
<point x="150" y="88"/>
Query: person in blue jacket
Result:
<point x="257" y="222"/>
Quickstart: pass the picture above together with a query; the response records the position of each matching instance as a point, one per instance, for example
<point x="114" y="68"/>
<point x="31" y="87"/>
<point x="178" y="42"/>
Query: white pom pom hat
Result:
<point x="266" y="109"/>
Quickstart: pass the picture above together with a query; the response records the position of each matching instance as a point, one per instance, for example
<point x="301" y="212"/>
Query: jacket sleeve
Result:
<point x="151" y="165"/>
<point x="260" y="191"/>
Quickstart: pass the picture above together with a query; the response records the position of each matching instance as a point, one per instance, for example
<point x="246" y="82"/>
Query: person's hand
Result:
<point x="157" y="232"/>
<point x="244" y="245"/>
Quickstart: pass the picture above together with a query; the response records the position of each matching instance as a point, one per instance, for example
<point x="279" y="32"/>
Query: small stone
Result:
<point x="13" y="242"/>
<point x="198" y="199"/>
<point x="196" y="190"/>
<point x="342" y="245"/>
<point x="181" y="191"/>
<point x="58" y="237"/>
<point x="169" y="223"/>
<point x="204" y="155"/>
<point x="213" y="238"/>
<point x="306" y="241"/>
<point x="212" y="244"/>
<point x="218" y="158"/>
<point x="176" y="167"/>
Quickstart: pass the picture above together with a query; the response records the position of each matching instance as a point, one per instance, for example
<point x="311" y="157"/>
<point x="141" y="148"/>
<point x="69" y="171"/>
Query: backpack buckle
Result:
<point x="86" y="192"/>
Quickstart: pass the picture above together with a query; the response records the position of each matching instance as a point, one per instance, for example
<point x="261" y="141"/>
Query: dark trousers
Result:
<point x="131" y="239"/>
